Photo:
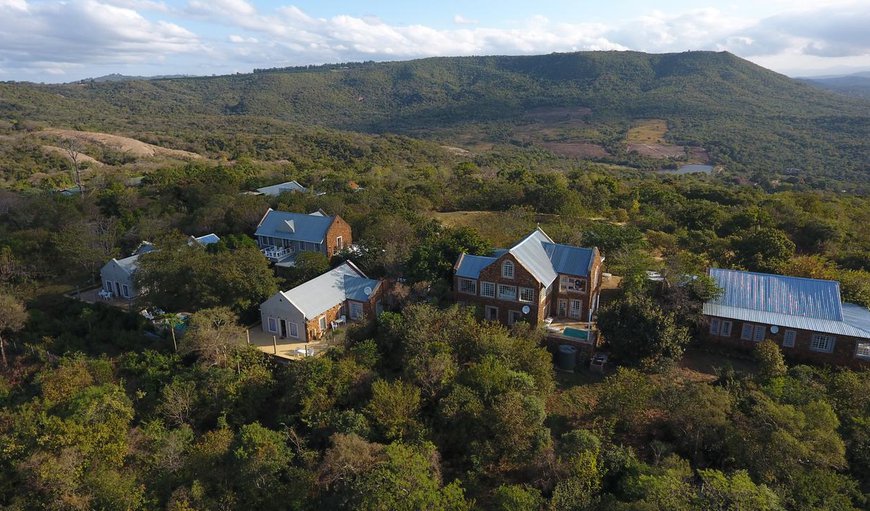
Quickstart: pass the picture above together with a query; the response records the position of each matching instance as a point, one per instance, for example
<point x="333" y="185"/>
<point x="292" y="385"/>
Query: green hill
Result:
<point x="717" y="107"/>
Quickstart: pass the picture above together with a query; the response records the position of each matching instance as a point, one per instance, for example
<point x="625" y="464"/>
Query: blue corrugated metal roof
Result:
<point x="311" y="228"/>
<point x="795" y="302"/>
<point x="764" y="292"/>
<point x="857" y="316"/>
<point x="470" y="265"/>
<point x="359" y="289"/>
<point x="570" y="260"/>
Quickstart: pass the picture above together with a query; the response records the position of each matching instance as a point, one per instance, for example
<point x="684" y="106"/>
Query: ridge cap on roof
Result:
<point x="778" y="275"/>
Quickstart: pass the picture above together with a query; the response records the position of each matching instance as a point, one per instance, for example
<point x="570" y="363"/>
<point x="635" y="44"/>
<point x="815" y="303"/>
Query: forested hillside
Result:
<point x="717" y="108"/>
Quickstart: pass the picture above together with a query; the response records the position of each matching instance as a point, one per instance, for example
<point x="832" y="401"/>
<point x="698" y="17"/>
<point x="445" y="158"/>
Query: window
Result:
<point x="507" y="292"/>
<point x="507" y="269"/>
<point x="294" y="330"/>
<point x="527" y="294"/>
<point x="356" y="310"/>
<point x="487" y="289"/>
<point x="574" y="311"/>
<point x="572" y="284"/>
<point x="822" y="342"/>
<point x="126" y="291"/>
<point x="322" y="321"/>
<point x="490" y="313"/>
<point x="788" y="338"/>
<point x="108" y="285"/>
<point x="339" y="243"/>
<point x="863" y="350"/>
<point x="273" y="325"/>
<point x="514" y="316"/>
<point x="714" y="326"/>
<point x="759" y="333"/>
<point x="468" y="286"/>
<point x="746" y="333"/>
<point x="725" y="330"/>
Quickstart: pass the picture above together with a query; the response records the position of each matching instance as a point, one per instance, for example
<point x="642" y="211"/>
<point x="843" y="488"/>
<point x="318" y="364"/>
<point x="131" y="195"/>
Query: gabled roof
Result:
<point x="538" y="254"/>
<point x="318" y="295"/>
<point x="294" y="226"/>
<point x="806" y="304"/>
<point x="128" y="264"/>
<point x="275" y="190"/>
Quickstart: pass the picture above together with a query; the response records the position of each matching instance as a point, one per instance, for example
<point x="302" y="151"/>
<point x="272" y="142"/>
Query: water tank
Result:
<point x="566" y="357"/>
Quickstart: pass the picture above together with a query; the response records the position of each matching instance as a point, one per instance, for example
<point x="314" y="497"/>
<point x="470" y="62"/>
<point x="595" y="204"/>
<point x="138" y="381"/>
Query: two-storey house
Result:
<point x="531" y="281"/>
<point x="805" y="317"/>
<point x="281" y="235"/>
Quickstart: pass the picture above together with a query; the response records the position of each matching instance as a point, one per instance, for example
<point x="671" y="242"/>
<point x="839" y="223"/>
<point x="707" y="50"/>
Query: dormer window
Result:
<point x="507" y="269"/>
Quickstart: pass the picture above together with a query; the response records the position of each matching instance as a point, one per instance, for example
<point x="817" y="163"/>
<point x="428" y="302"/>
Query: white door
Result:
<point x="563" y="308"/>
<point x="574" y="312"/>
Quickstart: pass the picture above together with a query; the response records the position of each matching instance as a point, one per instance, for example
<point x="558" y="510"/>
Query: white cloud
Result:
<point x="242" y="40"/>
<point x="462" y="20"/>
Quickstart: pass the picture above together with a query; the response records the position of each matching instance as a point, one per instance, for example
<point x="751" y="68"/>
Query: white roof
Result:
<point x="322" y="293"/>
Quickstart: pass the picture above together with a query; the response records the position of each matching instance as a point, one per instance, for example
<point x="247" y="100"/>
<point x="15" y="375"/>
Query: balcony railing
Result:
<point x="275" y="253"/>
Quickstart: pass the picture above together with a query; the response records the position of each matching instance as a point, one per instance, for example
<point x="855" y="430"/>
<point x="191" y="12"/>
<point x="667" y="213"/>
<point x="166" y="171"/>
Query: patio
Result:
<point x="577" y="331"/>
<point x="292" y="349"/>
<point x="97" y="295"/>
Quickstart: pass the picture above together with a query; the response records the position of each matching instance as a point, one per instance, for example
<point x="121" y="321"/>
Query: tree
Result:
<point x="766" y="249"/>
<point x="73" y="149"/>
<point x="394" y="408"/>
<point x="214" y="335"/>
<point x="771" y="363"/>
<point x="13" y="317"/>
<point x="434" y="256"/>
<point x="517" y="497"/>
<point x="636" y="329"/>
<point x="88" y="244"/>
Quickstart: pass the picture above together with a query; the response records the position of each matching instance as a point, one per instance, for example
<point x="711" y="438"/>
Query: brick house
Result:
<point x="531" y="281"/>
<point x="281" y="235"/>
<point x="805" y="317"/>
<point x="309" y="310"/>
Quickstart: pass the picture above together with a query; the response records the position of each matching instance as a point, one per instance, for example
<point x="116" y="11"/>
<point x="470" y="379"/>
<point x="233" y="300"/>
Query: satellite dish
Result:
<point x="367" y="290"/>
<point x="526" y="309"/>
<point x="774" y="329"/>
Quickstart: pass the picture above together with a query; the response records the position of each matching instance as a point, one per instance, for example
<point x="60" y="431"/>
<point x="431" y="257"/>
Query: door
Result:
<point x="117" y="289"/>
<point x="356" y="311"/>
<point x="563" y="308"/>
<point x="283" y="329"/>
<point x="576" y="307"/>
<point x="108" y="286"/>
<point x="491" y="313"/>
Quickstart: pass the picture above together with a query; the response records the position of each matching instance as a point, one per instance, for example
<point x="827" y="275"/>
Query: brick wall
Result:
<point x="843" y="354"/>
<point x="522" y="278"/>
<point x="338" y="228"/>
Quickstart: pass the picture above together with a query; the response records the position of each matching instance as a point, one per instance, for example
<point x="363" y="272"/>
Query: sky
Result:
<point x="61" y="41"/>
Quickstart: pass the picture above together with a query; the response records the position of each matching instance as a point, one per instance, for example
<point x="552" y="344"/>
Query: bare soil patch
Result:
<point x="576" y="149"/>
<point x="131" y="146"/>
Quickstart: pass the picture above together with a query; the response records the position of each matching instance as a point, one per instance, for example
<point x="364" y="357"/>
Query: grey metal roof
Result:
<point x="531" y="254"/>
<point x="294" y="226"/>
<point x="570" y="260"/>
<point x="857" y="316"/>
<point x="470" y="265"/>
<point x="275" y="190"/>
<point x="793" y="302"/>
<point x="129" y="264"/>
<point x="208" y="239"/>
<point x="324" y="292"/>
<point x="765" y="292"/>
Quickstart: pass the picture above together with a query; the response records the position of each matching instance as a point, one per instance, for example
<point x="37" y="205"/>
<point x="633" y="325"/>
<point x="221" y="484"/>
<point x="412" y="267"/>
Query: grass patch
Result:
<point x="647" y="131"/>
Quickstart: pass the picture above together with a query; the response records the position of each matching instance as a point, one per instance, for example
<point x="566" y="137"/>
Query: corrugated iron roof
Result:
<point x="531" y="254"/>
<point x="310" y="228"/>
<point x="763" y="292"/>
<point x="793" y="302"/>
<point x="289" y="186"/>
<point x="470" y="265"/>
<point x="324" y="292"/>
<point x="857" y="316"/>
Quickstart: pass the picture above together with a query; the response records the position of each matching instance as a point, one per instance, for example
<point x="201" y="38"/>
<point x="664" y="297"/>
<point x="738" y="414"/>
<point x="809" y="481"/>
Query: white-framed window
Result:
<point x="822" y="342"/>
<point x="759" y="333"/>
<point x="507" y="292"/>
<point x="725" y="329"/>
<point x="788" y="338"/>
<point x="490" y="313"/>
<point x="322" y="321"/>
<point x="527" y="294"/>
<point x="468" y="286"/>
<point x="487" y="289"/>
<point x="514" y="316"/>
<point x="294" y="329"/>
<point x="339" y="242"/>
<point x="108" y="285"/>
<point x="507" y="269"/>
<point x="571" y="284"/>
<point x="863" y="350"/>
<point x="715" y="323"/>
<point x="273" y="325"/>
<point x="126" y="291"/>
<point x="746" y="333"/>
<point x="356" y="310"/>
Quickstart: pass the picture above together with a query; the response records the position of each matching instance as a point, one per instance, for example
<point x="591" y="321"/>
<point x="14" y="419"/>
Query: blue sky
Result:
<point x="57" y="41"/>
